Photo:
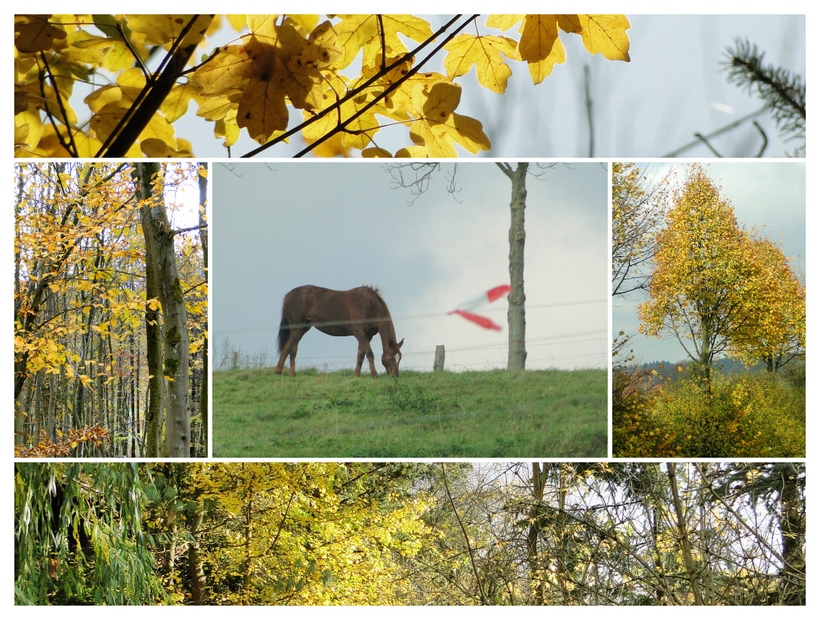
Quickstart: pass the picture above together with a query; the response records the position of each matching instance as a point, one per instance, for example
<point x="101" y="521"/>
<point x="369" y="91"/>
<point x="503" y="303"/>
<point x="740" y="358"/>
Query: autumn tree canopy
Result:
<point x="337" y="80"/>
<point x="716" y="288"/>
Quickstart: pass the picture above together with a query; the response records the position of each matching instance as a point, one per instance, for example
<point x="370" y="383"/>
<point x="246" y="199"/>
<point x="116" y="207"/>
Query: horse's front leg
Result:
<point x="371" y="361"/>
<point x="359" y="360"/>
<point x="365" y="351"/>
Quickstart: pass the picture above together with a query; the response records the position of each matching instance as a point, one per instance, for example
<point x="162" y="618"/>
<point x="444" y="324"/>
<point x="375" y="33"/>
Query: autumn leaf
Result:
<point x="263" y="74"/>
<point x="176" y="104"/>
<point x="438" y="126"/>
<point x="160" y="149"/>
<point x="365" y="33"/>
<point x="602" y="34"/>
<point x="36" y="33"/>
<point x="486" y="53"/>
<point x="165" y="29"/>
<point x="262" y="109"/>
<point x="540" y="46"/>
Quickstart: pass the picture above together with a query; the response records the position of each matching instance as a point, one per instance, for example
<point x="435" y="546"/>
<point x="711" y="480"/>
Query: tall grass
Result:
<point x="495" y="414"/>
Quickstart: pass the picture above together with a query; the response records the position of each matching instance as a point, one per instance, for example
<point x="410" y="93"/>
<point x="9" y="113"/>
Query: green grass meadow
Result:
<point x="494" y="414"/>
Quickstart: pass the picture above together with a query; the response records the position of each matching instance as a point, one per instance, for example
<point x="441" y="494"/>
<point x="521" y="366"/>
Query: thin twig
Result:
<point x="466" y="537"/>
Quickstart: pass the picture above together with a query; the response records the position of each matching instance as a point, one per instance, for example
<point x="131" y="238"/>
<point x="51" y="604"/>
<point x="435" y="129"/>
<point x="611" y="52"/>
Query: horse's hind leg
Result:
<point x="282" y="355"/>
<point x="289" y="349"/>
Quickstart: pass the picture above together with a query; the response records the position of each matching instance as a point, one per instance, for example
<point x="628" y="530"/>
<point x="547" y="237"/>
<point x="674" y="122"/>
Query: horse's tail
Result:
<point x="284" y="332"/>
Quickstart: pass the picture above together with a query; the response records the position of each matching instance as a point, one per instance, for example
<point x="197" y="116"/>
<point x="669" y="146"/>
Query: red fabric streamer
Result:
<point x="464" y="310"/>
<point x="498" y="291"/>
<point x="478" y="320"/>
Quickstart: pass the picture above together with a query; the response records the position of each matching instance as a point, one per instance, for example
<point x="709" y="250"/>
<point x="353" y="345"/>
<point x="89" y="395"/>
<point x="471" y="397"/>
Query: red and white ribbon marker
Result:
<point x="466" y="309"/>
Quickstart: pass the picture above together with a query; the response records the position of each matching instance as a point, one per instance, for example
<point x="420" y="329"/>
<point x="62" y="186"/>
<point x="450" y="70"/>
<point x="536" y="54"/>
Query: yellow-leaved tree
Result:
<point x="337" y="80"/>
<point x="716" y="289"/>
<point x="775" y="328"/>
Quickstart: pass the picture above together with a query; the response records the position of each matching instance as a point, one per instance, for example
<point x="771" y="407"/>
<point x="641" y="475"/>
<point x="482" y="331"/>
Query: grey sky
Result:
<point x="673" y="87"/>
<point x="767" y="196"/>
<point x="280" y="225"/>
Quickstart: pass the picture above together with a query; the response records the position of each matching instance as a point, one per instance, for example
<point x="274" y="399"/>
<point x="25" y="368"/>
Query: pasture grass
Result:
<point x="494" y="414"/>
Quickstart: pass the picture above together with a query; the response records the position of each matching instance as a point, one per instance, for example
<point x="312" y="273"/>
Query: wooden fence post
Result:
<point x="234" y="360"/>
<point x="438" y="363"/>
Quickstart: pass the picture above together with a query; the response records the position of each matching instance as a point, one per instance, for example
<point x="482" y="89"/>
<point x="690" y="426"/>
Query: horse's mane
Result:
<point x="379" y="299"/>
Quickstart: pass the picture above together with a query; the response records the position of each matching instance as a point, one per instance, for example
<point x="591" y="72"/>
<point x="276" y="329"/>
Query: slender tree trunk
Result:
<point x="195" y="569"/>
<point x="155" y="401"/>
<point x="562" y="539"/>
<point x="683" y="534"/>
<point x="534" y="531"/>
<point x="517" y="353"/>
<point x="793" y="537"/>
<point x="160" y="250"/>
<point x="203" y="237"/>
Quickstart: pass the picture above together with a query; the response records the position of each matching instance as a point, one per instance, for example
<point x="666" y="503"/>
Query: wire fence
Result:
<point x="587" y="349"/>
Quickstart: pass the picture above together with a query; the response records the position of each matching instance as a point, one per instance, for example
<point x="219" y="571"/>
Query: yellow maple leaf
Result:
<point x="226" y="127"/>
<point x="159" y="149"/>
<point x="28" y="130"/>
<point x="51" y="144"/>
<point x="223" y="74"/>
<point x="376" y="153"/>
<point x="322" y="50"/>
<point x="262" y="109"/>
<point x="332" y="147"/>
<point x="369" y="32"/>
<point x="439" y="127"/>
<point x="259" y="77"/>
<point x="165" y="29"/>
<point x="175" y="105"/>
<point x="604" y="34"/>
<point x="36" y="33"/>
<point x="415" y="151"/>
<point x="540" y="46"/>
<point x="486" y="53"/>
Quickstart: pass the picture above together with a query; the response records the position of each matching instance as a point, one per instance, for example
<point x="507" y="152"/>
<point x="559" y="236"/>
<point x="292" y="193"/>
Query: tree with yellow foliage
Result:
<point x="338" y="80"/>
<point x="775" y="328"/>
<point x="718" y="290"/>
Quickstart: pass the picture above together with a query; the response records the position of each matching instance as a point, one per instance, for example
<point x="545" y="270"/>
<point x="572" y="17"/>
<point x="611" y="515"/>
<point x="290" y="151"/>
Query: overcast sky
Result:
<point x="769" y="197"/>
<point x="340" y="225"/>
<point x="673" y="87"/>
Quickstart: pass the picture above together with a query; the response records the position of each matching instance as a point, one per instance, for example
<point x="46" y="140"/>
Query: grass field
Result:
<point x="495" y="414"/>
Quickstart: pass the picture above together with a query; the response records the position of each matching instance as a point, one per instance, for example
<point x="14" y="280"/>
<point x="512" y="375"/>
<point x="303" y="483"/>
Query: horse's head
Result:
<point x="391" y="358"/>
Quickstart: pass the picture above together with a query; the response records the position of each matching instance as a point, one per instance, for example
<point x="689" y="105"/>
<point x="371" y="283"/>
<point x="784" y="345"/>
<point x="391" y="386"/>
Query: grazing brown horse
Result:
<point x="359" y="312"/>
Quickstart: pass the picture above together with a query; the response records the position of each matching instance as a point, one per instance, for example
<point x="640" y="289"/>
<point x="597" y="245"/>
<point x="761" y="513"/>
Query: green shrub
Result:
<point x="746" y="415"/>
<point x="636" y="431"/>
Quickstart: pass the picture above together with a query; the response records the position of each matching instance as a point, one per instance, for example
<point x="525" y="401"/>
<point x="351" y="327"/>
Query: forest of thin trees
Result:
<point x="110" y="309"/>
<point x="331" y="533"/>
